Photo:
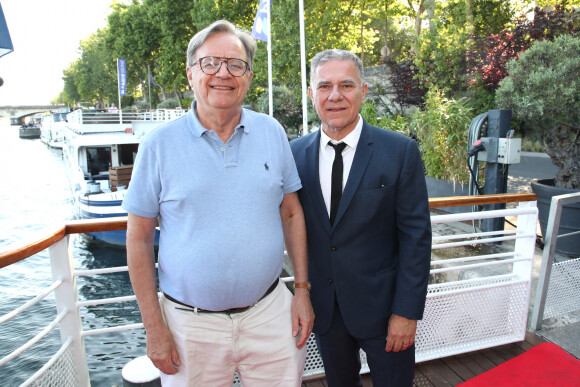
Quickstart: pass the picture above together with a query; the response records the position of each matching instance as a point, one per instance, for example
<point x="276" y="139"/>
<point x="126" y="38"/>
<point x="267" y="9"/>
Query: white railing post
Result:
<point x="525" y="247"/>
<point x="66" y="296"/>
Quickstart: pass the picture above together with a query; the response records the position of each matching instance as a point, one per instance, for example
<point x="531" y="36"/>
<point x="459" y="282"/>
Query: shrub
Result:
<point x="143" y="106"/>
<point x="442" y="133"/>
<point x="287" y="107"/>
<point x="397" y="123"/>
<point x="409" y="90"/>
<point x="168" y="104"/>
<point x="368" y="111"/>
<point x="542" y="89"/>
<point x="488" y="59"/>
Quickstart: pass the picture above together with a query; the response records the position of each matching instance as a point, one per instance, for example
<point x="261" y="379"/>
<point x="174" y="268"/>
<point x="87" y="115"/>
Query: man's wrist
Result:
<point x="302" y="285"/>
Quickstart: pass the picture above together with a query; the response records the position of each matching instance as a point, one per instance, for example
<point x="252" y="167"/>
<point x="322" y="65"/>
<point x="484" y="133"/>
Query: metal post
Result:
<point x="496" y="174"/>
<point x="525" y="248"/>
<point x="66" y="296"/>
<point x="550" y="241"/>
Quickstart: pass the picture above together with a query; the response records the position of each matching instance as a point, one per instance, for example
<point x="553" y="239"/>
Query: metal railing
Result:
<point x="82" y="121"/>
<point x="478" y="293"/>
<point x="559" y="283"/>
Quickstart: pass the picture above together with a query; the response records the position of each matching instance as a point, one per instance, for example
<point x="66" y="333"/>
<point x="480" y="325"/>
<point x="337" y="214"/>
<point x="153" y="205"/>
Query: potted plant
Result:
<point x="542" y="89"/>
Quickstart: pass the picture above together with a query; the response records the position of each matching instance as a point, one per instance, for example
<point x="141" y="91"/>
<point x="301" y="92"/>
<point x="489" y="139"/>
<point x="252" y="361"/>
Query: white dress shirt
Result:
<point x="326" y="158"/>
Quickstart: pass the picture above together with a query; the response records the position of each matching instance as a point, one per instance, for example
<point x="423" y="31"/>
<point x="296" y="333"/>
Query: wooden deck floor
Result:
<point x="454" y="370"/>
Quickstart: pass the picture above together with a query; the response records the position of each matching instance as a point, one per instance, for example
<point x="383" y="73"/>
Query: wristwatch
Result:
<point x="304" y="285"/>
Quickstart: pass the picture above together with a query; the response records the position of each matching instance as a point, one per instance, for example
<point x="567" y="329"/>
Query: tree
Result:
<point x="177" y="27"/>
<point x="95" y="74"/>
<point x="131" y="35"/>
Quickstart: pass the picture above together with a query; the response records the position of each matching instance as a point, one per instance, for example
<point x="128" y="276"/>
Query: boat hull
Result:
<point x="98" y="207"/>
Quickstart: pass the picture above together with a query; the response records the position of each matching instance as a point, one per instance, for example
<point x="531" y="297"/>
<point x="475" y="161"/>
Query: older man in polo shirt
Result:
<point x="222" y="183"/>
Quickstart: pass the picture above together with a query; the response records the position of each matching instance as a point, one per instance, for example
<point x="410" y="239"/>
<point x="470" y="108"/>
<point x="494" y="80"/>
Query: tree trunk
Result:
<point x="469" y="16"/>
<point x="163" y="92"/>
<point x="562" y="144"/>
<point x="178" y="98"/>
<point x="418" y="19"/>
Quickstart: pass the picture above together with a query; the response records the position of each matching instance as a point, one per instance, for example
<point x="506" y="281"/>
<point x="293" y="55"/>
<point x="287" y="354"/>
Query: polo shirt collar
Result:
<point x="198" y="129"/>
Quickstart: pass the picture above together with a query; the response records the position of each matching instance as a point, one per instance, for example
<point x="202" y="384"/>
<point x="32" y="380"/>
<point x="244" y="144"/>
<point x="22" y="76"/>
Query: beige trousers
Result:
<point x="258" y="343"/>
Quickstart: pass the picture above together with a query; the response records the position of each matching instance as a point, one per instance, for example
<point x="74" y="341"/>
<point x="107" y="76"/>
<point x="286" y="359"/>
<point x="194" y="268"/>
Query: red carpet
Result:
<point x="544" y="365"/>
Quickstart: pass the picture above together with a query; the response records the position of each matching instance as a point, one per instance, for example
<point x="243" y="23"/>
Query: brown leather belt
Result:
<point x="227" y="311"/>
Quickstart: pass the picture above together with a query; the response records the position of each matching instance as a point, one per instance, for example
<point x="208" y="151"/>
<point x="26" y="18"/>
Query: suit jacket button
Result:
<point x="333" y="248"/>
<point x="330" y="280"/>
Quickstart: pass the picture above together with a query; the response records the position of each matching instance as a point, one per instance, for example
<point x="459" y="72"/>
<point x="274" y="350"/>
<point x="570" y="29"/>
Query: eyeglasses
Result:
<point x="211" y="65"/>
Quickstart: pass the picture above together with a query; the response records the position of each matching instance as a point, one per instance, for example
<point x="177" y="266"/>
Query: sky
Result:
<point x="46" y="35"/>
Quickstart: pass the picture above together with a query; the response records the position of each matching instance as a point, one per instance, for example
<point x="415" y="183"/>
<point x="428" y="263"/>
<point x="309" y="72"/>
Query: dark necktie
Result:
<point x="336" y="185"/>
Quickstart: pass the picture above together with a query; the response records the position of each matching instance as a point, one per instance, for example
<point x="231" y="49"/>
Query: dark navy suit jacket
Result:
<point x="376" y="258"/>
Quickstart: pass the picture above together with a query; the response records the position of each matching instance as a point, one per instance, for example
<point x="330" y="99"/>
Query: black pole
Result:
<point x="496" y="174"/>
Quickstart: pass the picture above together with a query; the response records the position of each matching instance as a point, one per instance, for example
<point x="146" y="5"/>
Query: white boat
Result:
<point x="52" y="128"/>
<point x="99" y="151"/>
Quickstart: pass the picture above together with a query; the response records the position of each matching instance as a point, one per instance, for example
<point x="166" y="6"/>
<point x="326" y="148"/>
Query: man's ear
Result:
<point x="311" y="95"/>
<point x="189" y="76"/>
<point x="365" y="90"/>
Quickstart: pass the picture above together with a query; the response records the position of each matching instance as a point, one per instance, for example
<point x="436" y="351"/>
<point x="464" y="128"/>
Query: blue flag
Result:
<point x="151" y="80"/>
<point x="5" y="41"/>
<point x="261" y="30"/>
<point x="122" y="76"/>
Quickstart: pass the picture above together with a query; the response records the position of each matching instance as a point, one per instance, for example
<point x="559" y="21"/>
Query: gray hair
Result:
<point x="221" y="26"/>
<point x="334" y="54"/>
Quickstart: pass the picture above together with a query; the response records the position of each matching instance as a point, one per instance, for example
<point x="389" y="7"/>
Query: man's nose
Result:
<point x="223" y="71"/>
<point x="335" y="94"/>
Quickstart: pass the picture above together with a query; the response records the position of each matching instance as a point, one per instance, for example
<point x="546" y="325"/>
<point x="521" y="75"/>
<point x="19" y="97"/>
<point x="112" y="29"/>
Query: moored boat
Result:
<point x="99" y="151"/>
<point x="31" y="129"/>
<point x="52" y="128"/>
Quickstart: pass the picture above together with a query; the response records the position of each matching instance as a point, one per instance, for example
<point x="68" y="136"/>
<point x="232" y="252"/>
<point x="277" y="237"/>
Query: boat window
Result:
<point x="98" y="160"/>
<point x="60" y="117"/>
<point x="127" y="153"/>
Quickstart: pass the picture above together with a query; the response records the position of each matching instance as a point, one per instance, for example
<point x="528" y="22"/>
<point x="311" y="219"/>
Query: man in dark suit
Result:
<point x="369" y="230"/>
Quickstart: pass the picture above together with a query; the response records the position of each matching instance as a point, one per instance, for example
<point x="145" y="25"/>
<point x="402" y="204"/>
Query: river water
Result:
<point x="35" y="196"/>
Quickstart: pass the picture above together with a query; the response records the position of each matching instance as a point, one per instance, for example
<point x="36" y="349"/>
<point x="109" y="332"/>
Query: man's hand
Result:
<point x="401" y="333"/>
<point x="161" y="350"/>
<point x="302" y="316"/>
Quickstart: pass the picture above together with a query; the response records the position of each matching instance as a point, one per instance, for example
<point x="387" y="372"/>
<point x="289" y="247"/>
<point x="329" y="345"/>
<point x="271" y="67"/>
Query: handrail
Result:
<point x="9" y="257"/>
<point x="456" y="201"/>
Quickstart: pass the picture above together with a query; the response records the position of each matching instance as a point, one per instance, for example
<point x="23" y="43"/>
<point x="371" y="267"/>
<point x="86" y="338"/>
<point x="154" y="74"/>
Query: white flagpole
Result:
<point x="270" y="92"/>
<point x="303" y="68"/>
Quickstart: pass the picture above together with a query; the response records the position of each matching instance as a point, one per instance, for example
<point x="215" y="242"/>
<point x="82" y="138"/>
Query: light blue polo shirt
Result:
<point x="221" y="243"/>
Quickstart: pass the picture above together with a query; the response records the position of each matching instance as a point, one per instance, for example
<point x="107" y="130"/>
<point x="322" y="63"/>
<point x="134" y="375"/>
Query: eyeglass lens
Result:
<point x="212" y="64"/>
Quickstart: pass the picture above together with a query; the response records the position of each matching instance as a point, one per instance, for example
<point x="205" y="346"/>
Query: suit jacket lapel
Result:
<point x="313" y="181"/>
<point x="360" y="162"/>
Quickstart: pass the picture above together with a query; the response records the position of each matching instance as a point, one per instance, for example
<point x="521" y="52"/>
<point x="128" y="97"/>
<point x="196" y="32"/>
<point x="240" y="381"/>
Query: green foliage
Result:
<point x="368" y="111"/>
<point x="287" y="107"/>
<point x="143" y="106"/>
<point x="542" y="85"/>
<point x="440" y="58"/>
<point x="168" y="104"/>
<point x="442" y="133"/>
<point x="542" y="89"/>
<point x="95" y="73"/>
<point x="396" y="123"/>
